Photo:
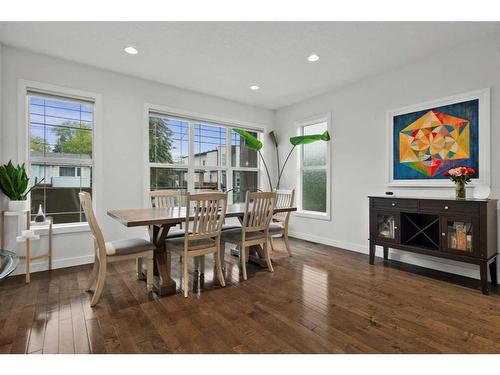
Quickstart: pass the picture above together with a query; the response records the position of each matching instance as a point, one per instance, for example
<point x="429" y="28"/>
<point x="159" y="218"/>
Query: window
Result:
<point x="191" y="155"/>
<point x="314" y="174"/>
<point x="245" y="167"/>
<point x="61" y="139"/>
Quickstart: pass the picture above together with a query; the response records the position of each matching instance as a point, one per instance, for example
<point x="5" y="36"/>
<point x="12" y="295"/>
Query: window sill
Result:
<point x="62" y="228"/>
<point x="314" y="215"/>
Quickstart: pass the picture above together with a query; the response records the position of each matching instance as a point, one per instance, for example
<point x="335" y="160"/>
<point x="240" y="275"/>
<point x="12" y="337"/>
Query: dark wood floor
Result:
<point x="322" y="300"/>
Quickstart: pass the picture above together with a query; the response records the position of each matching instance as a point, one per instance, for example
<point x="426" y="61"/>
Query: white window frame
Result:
<point x="191" y="118"/>
<point x="300" y="125"/>
<point x="26" y="86"/>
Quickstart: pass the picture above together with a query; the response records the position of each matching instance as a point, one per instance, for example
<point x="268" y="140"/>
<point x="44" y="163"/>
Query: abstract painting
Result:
<point x="429" y="141"/>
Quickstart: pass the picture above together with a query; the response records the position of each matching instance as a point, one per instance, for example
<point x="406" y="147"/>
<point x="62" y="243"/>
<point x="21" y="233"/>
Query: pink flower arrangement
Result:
<point x="460" y="174"/>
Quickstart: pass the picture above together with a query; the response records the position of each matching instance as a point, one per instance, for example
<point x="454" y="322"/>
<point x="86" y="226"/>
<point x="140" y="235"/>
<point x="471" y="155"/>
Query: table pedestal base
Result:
<point x="255" y="255"/>
<point x="163" y="289"/>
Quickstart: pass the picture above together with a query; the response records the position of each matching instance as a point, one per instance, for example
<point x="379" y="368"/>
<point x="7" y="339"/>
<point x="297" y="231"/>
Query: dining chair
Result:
<point x="168" y="199"/>
<point x="204" y="235"/>
<point x="279" y="224"/>
<point x="113" y="251"/>
<point x="165" y="198"/>
<point x="259" y="207"/>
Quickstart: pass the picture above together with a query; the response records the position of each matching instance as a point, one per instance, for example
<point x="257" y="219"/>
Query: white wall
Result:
<point x="359" y="157"/>
<point x="123" y="100"/>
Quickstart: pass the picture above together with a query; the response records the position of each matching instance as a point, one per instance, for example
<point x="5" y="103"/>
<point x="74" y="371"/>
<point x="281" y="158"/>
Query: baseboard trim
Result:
<point x="463" y="269"/>
<point x="43" y="265"/>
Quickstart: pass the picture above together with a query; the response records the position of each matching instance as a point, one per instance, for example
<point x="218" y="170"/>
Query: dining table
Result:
<point x="159" y="221"/>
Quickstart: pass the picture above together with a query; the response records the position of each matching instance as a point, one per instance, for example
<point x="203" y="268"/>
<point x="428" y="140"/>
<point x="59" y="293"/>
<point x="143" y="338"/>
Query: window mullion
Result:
<point x="229" y="165"/>
<point x="191" y="167"/>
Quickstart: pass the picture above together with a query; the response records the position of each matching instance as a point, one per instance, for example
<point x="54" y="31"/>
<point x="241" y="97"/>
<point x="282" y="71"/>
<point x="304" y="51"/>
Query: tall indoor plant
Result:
<point x="14" y="184"/>
<point x="254" y="144"/>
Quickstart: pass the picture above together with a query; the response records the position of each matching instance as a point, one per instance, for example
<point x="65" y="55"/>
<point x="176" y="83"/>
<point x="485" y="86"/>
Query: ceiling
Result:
<point x="225" y="58"/>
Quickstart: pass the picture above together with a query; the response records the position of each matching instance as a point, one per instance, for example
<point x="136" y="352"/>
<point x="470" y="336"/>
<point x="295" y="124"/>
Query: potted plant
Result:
<point x="14" y="184"/>
<point x="460" y="176"/>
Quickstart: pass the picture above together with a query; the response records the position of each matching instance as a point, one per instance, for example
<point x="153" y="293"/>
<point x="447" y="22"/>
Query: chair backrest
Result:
<point x="166" y="198"/>
<point x="284" y="199"/>
<point x="209" y="213"/>
<point x="259" y="208"/>
<point x="86" y="202"/>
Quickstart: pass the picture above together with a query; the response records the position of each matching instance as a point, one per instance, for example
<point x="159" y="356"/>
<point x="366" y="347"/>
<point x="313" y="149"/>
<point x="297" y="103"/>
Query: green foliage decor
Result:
<point x="307" y="139"/>
<point x="254" y="144"/>
<point x="14" y="181"/>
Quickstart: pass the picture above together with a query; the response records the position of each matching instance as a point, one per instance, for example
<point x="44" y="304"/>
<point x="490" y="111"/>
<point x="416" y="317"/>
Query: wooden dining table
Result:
<point x="159" y="221"/>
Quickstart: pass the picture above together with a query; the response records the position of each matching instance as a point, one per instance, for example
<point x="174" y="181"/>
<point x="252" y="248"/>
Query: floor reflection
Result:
<point x="314" y="292"/>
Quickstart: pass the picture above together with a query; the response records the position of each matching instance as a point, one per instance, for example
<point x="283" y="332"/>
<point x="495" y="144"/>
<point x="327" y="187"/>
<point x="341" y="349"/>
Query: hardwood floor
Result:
<point x="322" y="300"/>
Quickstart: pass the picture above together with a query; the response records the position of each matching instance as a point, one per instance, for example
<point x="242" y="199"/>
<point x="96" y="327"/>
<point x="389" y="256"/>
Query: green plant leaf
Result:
<point x="6" y="182"/>
<point x="250" y="140"/>
<point x="14" y="181"/>
<point x="307" y="139"/>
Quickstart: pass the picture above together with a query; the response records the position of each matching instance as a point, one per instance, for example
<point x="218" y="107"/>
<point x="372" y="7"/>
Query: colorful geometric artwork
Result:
<point x="429" y="142"/>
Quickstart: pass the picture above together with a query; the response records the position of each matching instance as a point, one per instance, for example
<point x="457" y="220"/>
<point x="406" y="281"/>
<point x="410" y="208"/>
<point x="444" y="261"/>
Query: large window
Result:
<point x="61" y="138"/>
<point x="314" y="176"/>
<point x="190" y="155"/>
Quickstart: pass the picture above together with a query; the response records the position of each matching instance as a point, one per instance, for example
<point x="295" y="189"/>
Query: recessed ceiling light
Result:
<point x="131" y="50"/>
<point x="254" y="87"/>
<point x="313" y="58"/>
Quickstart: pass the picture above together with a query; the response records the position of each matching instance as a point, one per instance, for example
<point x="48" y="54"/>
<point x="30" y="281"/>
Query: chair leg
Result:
<point x="218" y="265"/>
<point x="222" y="254"/>
<point x="100" y="283"/>
<point x="202" y="265"/>
<point x="287" y="244"/>
<point x="185" y="276"/>
<point x="149" y="275"/>
<point x="271" y="243"/>
<point x="268" y="257"/>
<point x="196" y="264"/>
<point x="243" y="261"/>
<point x="138" y="266"/>
<point x="93" y="275"/>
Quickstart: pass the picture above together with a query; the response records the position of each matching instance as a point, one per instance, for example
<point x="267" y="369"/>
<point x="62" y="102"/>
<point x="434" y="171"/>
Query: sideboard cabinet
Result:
<point x="462" y="230"/>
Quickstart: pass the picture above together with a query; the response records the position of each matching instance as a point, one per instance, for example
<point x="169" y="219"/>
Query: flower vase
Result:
<point x="460" y="190"/>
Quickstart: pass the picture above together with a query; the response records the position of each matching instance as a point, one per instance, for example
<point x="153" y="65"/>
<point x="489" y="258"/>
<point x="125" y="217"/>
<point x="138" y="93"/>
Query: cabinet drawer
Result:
<point x="443" y="207"/>
<point x="395" y="203"/>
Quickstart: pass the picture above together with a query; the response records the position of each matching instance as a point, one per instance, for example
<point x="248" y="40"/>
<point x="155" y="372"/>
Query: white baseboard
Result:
<point x="445" y="265"/>
<point x="43" y="265"/>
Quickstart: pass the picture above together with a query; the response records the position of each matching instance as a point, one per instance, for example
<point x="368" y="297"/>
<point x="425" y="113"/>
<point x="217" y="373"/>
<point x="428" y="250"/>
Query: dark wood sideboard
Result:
<point x="462" y="230"/>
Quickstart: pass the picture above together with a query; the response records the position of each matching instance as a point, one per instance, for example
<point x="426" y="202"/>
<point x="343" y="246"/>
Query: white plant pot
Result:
<point x="18" y="205"/>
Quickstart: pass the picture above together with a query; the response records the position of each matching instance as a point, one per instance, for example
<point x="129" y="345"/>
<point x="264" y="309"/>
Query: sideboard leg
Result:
<point x="372" y="252"/>
<point x="483" y="268"/>
<point x="386" y="253"/>
<point x="493" y="272"/>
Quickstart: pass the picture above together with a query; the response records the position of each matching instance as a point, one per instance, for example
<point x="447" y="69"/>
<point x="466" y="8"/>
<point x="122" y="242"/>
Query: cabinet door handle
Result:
<point x="443" y="234"/>
<point x="445" y="207"/>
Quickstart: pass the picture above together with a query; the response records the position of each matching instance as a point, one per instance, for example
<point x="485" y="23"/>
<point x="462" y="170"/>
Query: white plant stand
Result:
<point x="27" y="236"/>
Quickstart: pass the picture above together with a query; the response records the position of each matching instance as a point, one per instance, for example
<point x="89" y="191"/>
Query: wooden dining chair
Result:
<point x="279" y="224"/>
<point x="113" y="251"/>
<point x="168" y="199"/>
<point x="259" y="208"/>
<point x="204" y="235"/>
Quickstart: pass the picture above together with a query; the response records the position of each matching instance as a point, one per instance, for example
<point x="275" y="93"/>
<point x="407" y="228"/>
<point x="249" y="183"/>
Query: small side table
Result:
<point x="27" y="239"/>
